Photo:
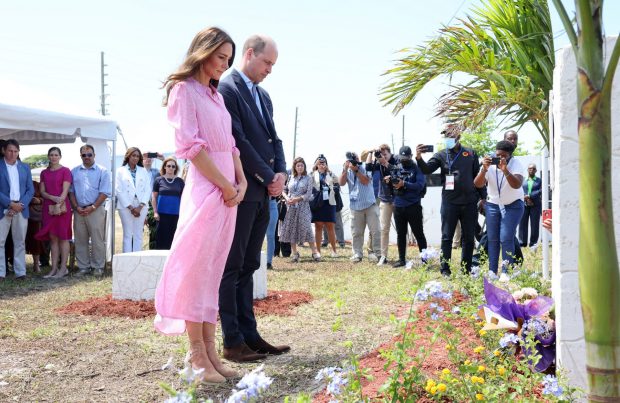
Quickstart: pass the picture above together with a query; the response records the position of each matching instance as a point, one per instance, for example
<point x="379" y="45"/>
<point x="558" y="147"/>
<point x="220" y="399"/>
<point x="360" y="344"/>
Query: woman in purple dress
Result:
<point x="56" y="225"/>
<point x="188" y="292"/>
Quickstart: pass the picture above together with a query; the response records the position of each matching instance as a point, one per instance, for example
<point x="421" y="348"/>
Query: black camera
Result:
<point x="495" y="160"/>
<point x="151" y="155"/>
<point x="378" y="154"/>
<point x="397" y="175"/>
<point x="352" y="158"/>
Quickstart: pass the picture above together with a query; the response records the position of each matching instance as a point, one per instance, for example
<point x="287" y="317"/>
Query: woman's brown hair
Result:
<point x="203" y="45"/>
<point x="162" y="170"/>
<point x="295" y="162"/>
<point x="130" y="151"/>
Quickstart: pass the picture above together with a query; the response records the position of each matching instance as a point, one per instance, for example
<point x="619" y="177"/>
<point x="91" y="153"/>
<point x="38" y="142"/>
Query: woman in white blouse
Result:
<point x="133" y="190"/>
<point x="503" y="177"/>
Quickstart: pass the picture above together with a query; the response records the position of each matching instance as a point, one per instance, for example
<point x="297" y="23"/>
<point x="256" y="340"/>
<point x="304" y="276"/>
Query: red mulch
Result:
<point x="279" y="303"/>
<point x="436" y="360"/>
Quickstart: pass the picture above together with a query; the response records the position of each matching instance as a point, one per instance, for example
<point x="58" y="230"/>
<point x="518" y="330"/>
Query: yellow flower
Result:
<point x="479" y="396"/>
<point x="445" y="371"/>
<point x="449" y="347"/>
<point x="481" y="368"/>
<point x="442" y="387"/>
<point x="501" y="371"/>
<point x="477" y="379"/>
<point x="479" y="349"/>
<point x="482" y="332"/>
<point x="430" y="383"/>
<point x="433" y="390"/>
<point x="474" y="317"/>
<point x="467" y="362"/>
<point x="496" y="353"/>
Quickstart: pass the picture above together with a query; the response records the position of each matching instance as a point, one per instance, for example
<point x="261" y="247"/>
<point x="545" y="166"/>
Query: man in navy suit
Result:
<point x="263" y="162"/>
<point x="16" y="191"/>
<point x="532" y="190"/>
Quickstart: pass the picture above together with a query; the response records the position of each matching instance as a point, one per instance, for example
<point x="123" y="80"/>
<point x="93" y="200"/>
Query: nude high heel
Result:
<point x="198" y="359"/>
<point x="209" y="341"/>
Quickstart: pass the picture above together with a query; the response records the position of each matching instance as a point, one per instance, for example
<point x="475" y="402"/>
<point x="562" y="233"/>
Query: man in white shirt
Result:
<point x="16" y="191"/>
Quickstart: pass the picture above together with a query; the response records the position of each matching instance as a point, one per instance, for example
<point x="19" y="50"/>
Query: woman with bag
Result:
<point x="56" y="223"/>
<point x="324" y="215"/>
<point x="297" y="224"/>
<point x="35" y="247"/>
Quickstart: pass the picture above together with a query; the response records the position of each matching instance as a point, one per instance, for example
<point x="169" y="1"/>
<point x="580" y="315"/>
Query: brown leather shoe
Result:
<point x="262" y="347"/>
<point x="242" y="353"/>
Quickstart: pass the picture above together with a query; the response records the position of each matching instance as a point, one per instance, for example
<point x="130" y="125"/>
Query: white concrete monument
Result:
<point x="135" y="275"/>
<point x="570" y="337"/>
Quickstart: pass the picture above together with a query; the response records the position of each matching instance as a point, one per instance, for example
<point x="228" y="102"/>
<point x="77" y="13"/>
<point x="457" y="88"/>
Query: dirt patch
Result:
<point x="436" y="360"/>
<point x="280" y="303"/>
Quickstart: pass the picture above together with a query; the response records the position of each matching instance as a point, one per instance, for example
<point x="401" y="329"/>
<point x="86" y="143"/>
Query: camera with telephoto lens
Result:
<point x="378" y="154"/>
<point x="398" y="174"/>
<point x="352" y="158"/>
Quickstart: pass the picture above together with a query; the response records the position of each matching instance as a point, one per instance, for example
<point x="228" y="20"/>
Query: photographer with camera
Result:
<point x="364" y="210"/>
<point x="458" y="167"/>
<point x="384" y="162"/>
<point x="407" y="182"/>
<point x="504" y="176"/>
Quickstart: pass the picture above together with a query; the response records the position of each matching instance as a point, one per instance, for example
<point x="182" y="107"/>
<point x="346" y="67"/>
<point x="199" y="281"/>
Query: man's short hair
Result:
<point x="11" y="142"/>
<point x="255" y="42"/>
<point x="87" y="146"/>
<point x="509" y="132"/>
<point x="505" y="145"/>
<point x="385" y="147"/>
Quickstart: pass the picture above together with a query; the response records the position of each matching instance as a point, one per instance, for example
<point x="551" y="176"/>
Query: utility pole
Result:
<point x="295" y="133"/>
<point x="103" y="85"/>
<point x="393" y="147"/>
<point x="403" y="144"/>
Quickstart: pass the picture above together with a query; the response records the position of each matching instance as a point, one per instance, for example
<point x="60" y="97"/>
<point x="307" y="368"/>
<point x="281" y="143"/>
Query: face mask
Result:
<point x="449" y="143"/>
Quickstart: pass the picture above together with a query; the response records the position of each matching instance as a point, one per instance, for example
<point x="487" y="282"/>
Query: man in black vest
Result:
<point x="263" y="161"/>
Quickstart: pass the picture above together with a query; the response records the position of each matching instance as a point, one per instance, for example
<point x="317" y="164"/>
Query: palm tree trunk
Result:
<point x="599" y="276"/>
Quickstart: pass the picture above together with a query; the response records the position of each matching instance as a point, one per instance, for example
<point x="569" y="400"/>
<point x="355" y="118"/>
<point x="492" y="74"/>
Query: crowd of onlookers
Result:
<point x="383" y="190"/>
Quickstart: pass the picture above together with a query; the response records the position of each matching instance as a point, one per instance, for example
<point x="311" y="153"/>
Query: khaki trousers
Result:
<point x="85" y="228"/>
<point x="386" y="211"/>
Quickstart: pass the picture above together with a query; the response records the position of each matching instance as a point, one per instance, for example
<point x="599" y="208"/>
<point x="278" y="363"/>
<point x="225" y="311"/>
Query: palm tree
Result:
<point x="505" y="48"/>
<point x="599" y="277"/>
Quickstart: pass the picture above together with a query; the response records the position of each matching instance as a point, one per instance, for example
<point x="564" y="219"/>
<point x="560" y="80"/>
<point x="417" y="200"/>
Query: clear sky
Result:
<point x="331" y="57"/>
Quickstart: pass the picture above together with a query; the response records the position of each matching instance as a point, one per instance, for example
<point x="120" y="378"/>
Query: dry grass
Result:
<point x="45" y="356"/>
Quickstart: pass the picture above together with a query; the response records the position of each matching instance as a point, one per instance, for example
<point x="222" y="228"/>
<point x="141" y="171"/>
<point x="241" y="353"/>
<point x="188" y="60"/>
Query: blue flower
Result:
<point x="475" y="271"/>
<point x="508" y="339"/>
<point x="335" y="378"/>
<point x="421" y="295"/>
<point x="181" y="397"/>
<point x="456" y="310"/>
<point x="429" y="253"/>
<point x="551" y="386"/>
<point x="250" y="386"/>
<point x="434" y="316"/>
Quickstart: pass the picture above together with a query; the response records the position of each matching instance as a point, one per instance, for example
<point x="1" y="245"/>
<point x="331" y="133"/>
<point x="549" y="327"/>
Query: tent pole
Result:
<point x="113" y="201"/>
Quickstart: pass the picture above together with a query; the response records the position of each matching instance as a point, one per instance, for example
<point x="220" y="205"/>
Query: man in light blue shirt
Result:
<point x="89" y="191"/>
<point x="363" y="208"/>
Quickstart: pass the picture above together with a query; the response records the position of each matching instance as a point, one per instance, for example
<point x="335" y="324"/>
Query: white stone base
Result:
<point x="135" y="275"/>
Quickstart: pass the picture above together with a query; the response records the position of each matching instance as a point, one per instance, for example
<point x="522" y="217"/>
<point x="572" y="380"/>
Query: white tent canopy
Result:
<point x="30" y="126"/>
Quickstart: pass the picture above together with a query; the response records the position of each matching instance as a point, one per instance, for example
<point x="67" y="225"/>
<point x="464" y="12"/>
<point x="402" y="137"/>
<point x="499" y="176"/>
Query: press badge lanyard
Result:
<point x="499" y="183"/>
<point x="449" y="183"/>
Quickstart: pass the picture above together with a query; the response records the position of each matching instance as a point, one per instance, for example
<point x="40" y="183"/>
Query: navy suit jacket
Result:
<point x="261" y="150"/>
<point x="536" y="195"/>
<point x="26" y="188"/>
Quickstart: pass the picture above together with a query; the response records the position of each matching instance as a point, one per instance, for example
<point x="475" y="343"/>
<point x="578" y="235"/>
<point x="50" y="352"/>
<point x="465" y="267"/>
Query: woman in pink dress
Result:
<point x="55" y="183"/>
<point x="187" y="294"/>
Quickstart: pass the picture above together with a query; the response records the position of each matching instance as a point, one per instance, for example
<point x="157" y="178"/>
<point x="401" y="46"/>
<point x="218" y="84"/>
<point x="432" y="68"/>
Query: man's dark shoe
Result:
<point x="399" y="263"/>
<point x="446" y="273"/>
<point x="242" y="353"/>
<point x="269" y="266"/>
<point x="20" y="278"/>
<point x="262" y="347"/>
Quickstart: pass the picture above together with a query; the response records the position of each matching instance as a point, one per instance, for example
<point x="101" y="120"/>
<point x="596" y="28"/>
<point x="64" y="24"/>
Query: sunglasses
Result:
<point x="171" y="166"/>
<point x="87" y="155"/>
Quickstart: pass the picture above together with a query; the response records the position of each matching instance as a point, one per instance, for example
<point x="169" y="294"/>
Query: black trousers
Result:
<point x="467" y="214"/>
<point x="412" y="216"/>
<point x="237" y="286"/>
<point x="164" y="233"/>
<point x="531" y="216"/>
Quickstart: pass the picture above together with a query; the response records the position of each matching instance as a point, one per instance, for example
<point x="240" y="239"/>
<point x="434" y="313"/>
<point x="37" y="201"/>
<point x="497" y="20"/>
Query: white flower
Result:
<point x="530" y="292"/>
<point x="189" y="374"/>
<point x="518" y="295"/>
<point x="181" y="397"/>
<point x="168" y="364"/>
<point x="456" y="310"/>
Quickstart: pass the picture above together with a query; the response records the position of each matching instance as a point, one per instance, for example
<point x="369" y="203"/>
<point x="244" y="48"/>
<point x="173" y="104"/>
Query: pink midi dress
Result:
<point x="56" y="225"/>
<point x="189" y="286"/>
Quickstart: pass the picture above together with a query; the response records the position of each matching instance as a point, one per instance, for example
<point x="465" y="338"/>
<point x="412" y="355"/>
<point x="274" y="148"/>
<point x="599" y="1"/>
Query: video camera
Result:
<point x="352" y="158"/>
<point x="396" y="175"/>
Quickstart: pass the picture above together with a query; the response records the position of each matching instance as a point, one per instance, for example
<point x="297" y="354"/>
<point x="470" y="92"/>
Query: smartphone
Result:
<point x="495" y="160"/>
<point x="151" y="155"/>
<point x="428" y="148"/>
<point x="546" y="214"/>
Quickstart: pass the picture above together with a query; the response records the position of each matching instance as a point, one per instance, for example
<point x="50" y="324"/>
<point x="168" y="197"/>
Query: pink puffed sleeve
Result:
<point x="182" y="116"/>
<point x="66" y="176"/>
<point x="235" y="151"/>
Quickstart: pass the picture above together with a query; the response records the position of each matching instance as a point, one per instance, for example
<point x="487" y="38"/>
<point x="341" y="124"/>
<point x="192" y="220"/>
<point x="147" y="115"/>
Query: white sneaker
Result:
<point x="503" y="278"/>
<point x="355" y="258"/>
<point x="382" y="261"/>
<point x="534" y="247"/>
<point x="334" y="254"/>
<point x="372" y="258"/>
